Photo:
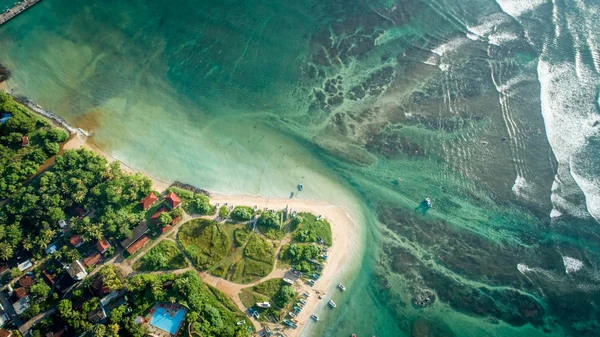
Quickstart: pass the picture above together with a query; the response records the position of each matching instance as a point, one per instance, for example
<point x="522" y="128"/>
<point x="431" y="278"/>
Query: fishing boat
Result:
<point x="300" y="187"/>
<point x="263" y="305"/>
<point x="332" y="304"/>
<point x="428" y="202"/>
<point x="315" y="317"/>
<point x="287" y="280"/>
<point x="341" y="286"/>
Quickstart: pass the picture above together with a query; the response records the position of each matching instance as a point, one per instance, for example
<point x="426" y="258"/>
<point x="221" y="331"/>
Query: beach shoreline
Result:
<point x="345" y="235"/>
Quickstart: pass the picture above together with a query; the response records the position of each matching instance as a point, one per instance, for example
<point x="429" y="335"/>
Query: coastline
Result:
<point x="345" y="234"/>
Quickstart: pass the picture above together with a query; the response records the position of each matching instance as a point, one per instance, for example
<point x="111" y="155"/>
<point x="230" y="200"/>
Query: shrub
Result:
<point x="242" y="213"/>
<point x="223" y="212"/>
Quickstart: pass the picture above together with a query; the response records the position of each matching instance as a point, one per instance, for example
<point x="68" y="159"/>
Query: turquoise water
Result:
<point x="163" y="320"/>
<point x="487" y="107"/>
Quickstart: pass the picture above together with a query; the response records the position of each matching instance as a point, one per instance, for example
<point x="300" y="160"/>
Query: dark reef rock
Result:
<point x="4" y="73"/>
<point x="427" y="328"/>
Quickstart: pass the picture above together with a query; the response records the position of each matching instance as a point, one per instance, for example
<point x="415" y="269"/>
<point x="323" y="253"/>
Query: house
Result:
<point x="102" y="246"/>
<point x="165" y="229"/>
<point x="95" y="316"/>
<point x="24" y="141"/>
<point x="140" y="230"/>
<point x="49" y="277"/>
<point x="4" y="318"/>
<point x="76" y="240"/>
<point x="62" y="224"/>
<point x="99" y="288"/>
<point x="20" y="300"/>
<point x="51" y="249"/>
<point x="150" y="199"/>
<point x="25" y="265"/>
<point x="26" y="281"/>
<point x="7" y="333"/>
<point x="92" y="259"/>
<point x="172" y="200"/>
<point x="77" y="271"/>
<point x="137" y="245"/>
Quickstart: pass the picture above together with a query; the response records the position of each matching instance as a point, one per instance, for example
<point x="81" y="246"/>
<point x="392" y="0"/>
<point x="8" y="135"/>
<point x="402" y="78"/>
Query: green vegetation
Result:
<point x="257" y="260"/>
<point x="259" y="249"/>
<point x="299" y="254"/>
<point x="17" y="162"/>
<point x="242" y="213"/>
<point x="80" y="179"/>
<point x="199" y="204"/>
<point x="275" y="291"/>
<point x="271" y="225"/>
<point x="204" y="242"/>
<point x="309" y="229"/>
<point x="209" y="314"/>
<point x="163" y="256"/>
<point x="181" y="193"/>
<point x="223" y="212"/>
<point x="241" y="236"/>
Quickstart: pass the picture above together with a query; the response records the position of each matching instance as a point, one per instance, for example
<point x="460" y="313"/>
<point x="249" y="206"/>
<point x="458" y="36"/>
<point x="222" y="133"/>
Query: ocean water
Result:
<point x="490" y="108"/>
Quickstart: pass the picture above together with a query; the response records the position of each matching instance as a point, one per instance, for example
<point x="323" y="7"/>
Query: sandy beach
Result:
<point x="345" y="234"/>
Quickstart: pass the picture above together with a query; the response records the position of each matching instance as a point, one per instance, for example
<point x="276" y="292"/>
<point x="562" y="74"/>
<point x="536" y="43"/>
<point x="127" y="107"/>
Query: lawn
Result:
<point x="163" y="256"/>
<point x="204" y="242"/>
<point x="309" y="229"/>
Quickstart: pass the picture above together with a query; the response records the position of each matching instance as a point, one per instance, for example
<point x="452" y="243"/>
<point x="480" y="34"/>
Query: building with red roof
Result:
<point x="150" y="199"/>
<point x="102" y="246"/>
<point x="173" y="200"/>
<point x="26" y="281"/>
<point x="76" y="240"/>
<point x="92" y="259"/>
<point x="137" y="245"/>
<point x="24" y="141"/>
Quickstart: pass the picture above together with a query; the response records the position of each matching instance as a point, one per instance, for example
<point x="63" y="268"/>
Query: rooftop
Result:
<point x="102" y="245"/>
<point x="137" y="245"/>
<point x="137" y="232"/>
<point x="77" y="271"/>
<point x="148" y="201"/>
<point x="173" y="200"/>
<point x="92" y="259"/>
<point x="26" y="281"/>
<point x="76" y="240"/>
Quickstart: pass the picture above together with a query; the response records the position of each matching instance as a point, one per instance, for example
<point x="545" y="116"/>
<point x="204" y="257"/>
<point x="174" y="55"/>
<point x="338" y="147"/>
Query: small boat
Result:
<point x="300" y="187"/>
<point x="263" y="305"/>
<point x="341" y="286"/>
<point x="332" y="304"/>
<point x="318" y="218"/>
<point x="241" y="323"/>
<point x="428" y="202"/>
<point x="315" y="317"/>
<point x="294" y="214"/>
<point x="312" y="282"/>
<point x="287" y="280"/>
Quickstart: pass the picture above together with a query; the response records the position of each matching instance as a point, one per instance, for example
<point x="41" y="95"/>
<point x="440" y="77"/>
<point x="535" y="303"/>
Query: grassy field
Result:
<point x="164" y="256"/>
<point x="204" y="242"/>
<point x="309" y="229"/>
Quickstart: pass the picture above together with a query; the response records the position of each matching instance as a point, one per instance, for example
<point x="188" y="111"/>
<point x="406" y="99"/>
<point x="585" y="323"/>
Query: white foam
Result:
<point x="498" y="39"/>
<point x="571" y="264"/>
<point x="555" y="213"/>
<point x="521" y="187"/>
<point x="568" y="97"/>
<point x="516" y="8"/>
<point x="450" y="46"/>
<point x="473" y="37"/>
<point x="523" y="268"/>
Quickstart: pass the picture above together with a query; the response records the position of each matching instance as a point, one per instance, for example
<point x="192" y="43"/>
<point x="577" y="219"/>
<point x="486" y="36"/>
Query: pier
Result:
<point x="17" y="9"/>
